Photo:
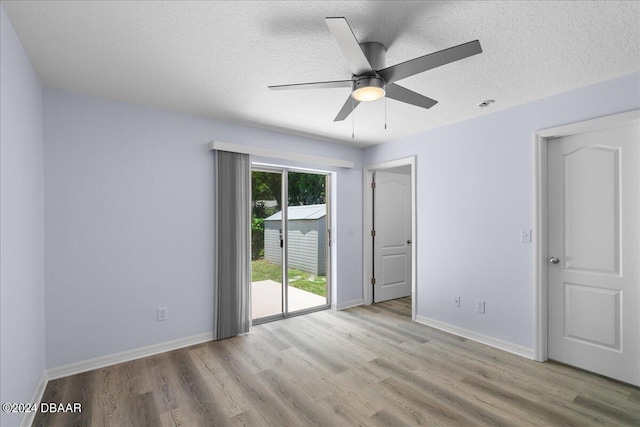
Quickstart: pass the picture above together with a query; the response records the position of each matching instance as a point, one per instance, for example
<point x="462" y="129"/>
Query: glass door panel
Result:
<point x="307" y="241"/>
<point x="267" y="293"/>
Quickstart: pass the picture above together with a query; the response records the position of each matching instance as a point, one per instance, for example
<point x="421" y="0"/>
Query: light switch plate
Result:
<point x="525" y="235"/>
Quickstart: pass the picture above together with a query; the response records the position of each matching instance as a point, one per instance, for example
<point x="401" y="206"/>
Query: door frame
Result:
<point x="367" y="224"/>
<point x="544" y="137"/>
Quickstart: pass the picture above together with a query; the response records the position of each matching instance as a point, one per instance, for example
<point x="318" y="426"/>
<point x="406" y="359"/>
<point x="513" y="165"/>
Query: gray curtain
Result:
<point x="232" y="287"/>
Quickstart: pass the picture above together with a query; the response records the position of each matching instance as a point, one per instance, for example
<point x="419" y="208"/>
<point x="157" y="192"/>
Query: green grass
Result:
<point x="264" y="270"/>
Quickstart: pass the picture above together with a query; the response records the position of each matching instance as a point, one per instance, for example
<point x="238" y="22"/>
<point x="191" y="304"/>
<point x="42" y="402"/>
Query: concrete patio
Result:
<point x="266" y="299"/>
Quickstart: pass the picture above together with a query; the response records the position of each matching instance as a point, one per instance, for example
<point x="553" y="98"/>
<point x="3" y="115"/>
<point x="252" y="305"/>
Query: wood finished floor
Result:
<point x="358" y="367"/>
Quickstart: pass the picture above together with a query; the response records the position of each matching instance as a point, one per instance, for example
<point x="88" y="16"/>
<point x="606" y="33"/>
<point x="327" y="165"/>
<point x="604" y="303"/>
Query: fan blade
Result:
<point x="402" y="94"/>
<point x="356" y="59"/>
<point x="347" y="108"/>
<point x="427" y="62"/>
<point x="314" y="85"/>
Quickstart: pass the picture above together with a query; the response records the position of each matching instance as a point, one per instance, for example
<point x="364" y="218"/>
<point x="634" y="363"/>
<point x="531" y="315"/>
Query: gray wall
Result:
<point x="21" y="225"/>
<point x="129" y="227"/>
<point x="307" y="247"/>
<point x="272" y="250"/>
<point x="475" y="192"/>
<point x="303" y="245"/>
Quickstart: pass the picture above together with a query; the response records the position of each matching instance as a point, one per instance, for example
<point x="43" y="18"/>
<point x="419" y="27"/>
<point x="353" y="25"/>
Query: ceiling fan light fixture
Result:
<point x="367" y="89"/>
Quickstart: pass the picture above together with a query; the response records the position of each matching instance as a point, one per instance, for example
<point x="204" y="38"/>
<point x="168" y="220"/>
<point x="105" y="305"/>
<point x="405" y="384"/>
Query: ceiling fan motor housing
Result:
<point x="375" y="53"/>
<point x="368" y="81"/>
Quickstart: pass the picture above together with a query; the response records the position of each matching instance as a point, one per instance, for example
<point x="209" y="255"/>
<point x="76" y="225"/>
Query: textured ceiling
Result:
<point x="216" y="59"/>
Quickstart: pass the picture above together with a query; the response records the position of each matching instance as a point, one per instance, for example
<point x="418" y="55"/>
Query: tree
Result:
<point x="266" y="186"/>
<point x="306" y="189"/>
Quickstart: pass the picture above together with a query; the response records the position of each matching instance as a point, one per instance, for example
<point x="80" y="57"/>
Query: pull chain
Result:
<point x="385" y="113"/>
<point x="353" y="119"/>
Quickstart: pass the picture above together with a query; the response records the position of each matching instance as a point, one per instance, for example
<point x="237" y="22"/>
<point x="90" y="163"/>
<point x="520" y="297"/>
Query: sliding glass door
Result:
<point x="290" y="243"/>
<point x="266" y="245"/>
<point x="307" y="246"/>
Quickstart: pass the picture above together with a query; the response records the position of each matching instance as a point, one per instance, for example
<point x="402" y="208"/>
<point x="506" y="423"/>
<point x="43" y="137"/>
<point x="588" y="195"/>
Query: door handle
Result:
<point x="554" y="260"/>
<point x="408" y="242"/>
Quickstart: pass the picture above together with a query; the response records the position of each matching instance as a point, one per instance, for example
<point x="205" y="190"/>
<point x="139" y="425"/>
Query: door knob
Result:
<point x="554" y="260"/>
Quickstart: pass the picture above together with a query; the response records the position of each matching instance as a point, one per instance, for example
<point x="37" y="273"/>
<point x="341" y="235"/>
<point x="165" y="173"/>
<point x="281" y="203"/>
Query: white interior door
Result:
<point x="392" y="241"/>
<point x="593" y="248"/>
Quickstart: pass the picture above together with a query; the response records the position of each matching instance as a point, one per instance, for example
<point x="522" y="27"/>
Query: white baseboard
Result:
<point x="112" y="359"/>
<point x="517" y="349"/>
<point x="27" y="420"/>
<point x="125" y="356"/>
<point x="347" y="304"/>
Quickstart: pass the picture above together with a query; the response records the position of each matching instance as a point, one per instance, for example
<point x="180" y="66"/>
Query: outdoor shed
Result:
<point x="307" y="232"/>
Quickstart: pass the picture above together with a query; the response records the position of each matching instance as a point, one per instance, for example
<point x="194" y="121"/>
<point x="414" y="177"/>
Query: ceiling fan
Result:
<point x="371" y="79"/>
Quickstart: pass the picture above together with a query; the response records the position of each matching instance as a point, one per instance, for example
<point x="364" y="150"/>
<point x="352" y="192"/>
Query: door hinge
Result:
<point x="373" y="280"/>
<point x="373" y="185"/>
<point x="373" y="233"/>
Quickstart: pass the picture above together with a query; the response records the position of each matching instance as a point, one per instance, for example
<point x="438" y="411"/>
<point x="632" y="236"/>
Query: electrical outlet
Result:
<point x="162" y="313"/>
<point x="456" y="301"/>
<point x="480" y="307"/>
